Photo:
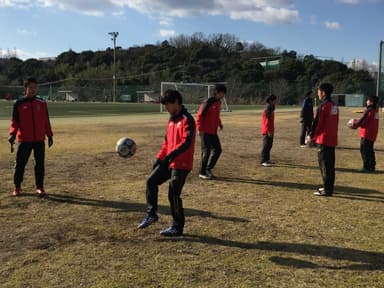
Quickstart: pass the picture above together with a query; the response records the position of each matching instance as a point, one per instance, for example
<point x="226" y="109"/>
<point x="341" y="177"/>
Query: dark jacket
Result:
<point x="307" y="110"/>
<point x="30" y="120"/>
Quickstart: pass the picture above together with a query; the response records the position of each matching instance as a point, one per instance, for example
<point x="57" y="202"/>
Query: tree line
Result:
<point x="196" y="58"/>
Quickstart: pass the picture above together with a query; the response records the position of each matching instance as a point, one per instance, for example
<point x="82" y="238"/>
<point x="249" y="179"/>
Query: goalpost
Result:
<point x="193" y="94"/>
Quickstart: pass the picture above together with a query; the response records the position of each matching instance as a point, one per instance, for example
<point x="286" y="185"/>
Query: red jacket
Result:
<point x="30" y="120"/>
<point x="268" y="120"/>
<point x="179" y="142"/>
<point x="325" y="124"/>
<point x="208" y="117"/>
<point x="369" y="124"/>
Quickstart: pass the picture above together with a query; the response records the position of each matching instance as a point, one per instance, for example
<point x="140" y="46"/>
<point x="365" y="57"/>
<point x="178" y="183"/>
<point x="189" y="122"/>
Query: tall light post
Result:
<point x="380" y="71"/>
<point x="114" y="36"/>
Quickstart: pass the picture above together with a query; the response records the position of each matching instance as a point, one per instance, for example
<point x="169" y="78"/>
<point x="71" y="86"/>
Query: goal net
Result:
<point x="193" y="94"/>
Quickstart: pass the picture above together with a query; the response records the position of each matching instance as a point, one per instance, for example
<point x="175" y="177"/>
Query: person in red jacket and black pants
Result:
<point x="174" y="161"/>
<point x="369" y="126"/>
<point x="30" y="124"/>
<point x="267" y="130"/>
<point x="207" y="123"/>
<point x="324" y="134"/>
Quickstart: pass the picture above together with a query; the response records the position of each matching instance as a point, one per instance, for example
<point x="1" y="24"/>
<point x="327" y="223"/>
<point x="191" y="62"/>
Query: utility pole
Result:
<point x="379" y="72"/>
<point x="114" y="36"/>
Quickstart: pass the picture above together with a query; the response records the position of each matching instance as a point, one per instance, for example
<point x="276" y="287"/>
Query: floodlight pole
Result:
<point x="378" y="86"/>
<point x="114" y="36"/>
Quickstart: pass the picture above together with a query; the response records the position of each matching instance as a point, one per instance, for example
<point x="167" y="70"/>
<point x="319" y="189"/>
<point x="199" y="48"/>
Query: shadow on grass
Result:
<point x="340" y="191"/>
<point x="135" y="207"/>
<point x="356" y="148"/>
<point x="364" y="260"/>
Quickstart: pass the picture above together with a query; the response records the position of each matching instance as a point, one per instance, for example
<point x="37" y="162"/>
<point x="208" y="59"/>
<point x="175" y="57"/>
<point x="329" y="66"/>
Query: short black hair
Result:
<point x="220" y="88"/>
<point x="29" y="81"/>
<point x="170" y="96"/>
<point x="270" y="98"/>
<point x="327" y="88"/>
<point x="308" y="93"/>
<point x="373" y="99"/>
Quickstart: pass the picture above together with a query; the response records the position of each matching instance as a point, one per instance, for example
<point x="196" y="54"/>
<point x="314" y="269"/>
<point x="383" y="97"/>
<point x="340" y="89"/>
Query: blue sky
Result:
<point x="343" y="30"/>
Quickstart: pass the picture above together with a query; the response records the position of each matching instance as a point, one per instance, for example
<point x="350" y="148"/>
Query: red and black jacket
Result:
<point x="369" y="123"/>
<point x="326" y="122"/>
<point x="179" y="142"/>
<point x="30" y="120"/>
<point x="208" y="117"/>
<point x="268" y="120"/>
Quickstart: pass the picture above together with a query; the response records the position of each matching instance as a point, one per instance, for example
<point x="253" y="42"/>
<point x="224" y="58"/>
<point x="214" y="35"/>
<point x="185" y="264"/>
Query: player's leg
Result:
<point x="205" y="155"/>
<point x="39" y="155"/>
<point x="24" y="150"/>
<point x="215" y="152"/>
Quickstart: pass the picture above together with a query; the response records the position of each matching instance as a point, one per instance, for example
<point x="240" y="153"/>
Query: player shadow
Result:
<point x="354" y="193"/>
<point x="136" y="207"/>
<point x="354" y="170"/>
<point x="363" y="260"/>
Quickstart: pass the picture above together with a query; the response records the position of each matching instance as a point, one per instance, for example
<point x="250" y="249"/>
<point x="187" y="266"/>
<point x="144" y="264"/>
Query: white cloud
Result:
<point x="166" y="22"/>
<point x="167" y="33"/>
<point x="332" y="25"/>
<point x="265" y="11"/>
<point x="353" y="2"/>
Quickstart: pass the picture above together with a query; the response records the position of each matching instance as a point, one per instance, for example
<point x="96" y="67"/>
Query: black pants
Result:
<point x="326" y="157"/>
<point x="367" y="154"/>
<point x="305" y="129"/>
<point x="24" y="150"/>
<point x="210" y="152"/>
<point x="177" y="179"/>
<point x="266" y="150"/>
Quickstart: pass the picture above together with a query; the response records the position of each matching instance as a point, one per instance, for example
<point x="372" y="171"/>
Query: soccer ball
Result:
<point x="351" y="122"/>
<point x="125" y="147"/>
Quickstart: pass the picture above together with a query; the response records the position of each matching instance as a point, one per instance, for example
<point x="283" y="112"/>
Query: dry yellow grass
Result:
<point x="252" y="227"/>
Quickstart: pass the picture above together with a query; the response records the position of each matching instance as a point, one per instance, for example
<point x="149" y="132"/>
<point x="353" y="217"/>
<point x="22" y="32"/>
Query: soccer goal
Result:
<point x="193" y="94"/>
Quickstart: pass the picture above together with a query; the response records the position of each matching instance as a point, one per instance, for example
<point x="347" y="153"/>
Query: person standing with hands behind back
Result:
<point x="306" y="117"/>
<point x="267" y="130"/>
<point x="324" y="134"/>
<point x="207" y="123"/>
<point x="30" y="124"/>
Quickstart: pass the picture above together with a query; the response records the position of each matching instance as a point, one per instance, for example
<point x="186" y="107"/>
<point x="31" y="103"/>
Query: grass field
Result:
<point x="251" y="227"/>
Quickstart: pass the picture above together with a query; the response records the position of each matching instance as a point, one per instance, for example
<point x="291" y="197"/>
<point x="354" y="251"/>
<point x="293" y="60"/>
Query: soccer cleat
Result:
<point x="303" y="146"/>
<point x="16" y="191"/>
<point x="363" y="170"/>
<point x="41" y="192"/>
<point x="209" y="173"/>
<point x="205" y="177"/>
<point x="148" y="220"/>
<point x="266" y="164"/>
<point x="172" y="231"/>
<point x="322" y="189"/>
<point x="322" y="193"/>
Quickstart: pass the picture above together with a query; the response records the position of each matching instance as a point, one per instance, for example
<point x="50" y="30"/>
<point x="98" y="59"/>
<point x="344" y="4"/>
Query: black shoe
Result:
<point x="172" y="231"/>
<point x="209" y="173"/>
<point x="205" y="177"/>
<point x="148" y="220"/>
<point x="322" y="193"/>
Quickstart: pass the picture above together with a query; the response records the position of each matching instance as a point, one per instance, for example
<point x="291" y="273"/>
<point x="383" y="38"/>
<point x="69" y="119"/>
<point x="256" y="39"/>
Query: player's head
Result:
<point x="219" y="91"/>
<point x="325" y="90"/>
<point x="309" y="94"/>
<point x="172" y="100"/>
<point x="372" y="101"/>
<point x="271" y="99"/>
<point x="30" y="87"/>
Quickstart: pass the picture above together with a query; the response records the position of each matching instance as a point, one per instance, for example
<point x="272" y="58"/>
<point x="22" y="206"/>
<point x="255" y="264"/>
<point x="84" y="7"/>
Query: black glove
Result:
<point x="167" y="160"/>
<point x="11" y="139"/>
<point x="157" y="163"/>
<point x="50" y="141"/>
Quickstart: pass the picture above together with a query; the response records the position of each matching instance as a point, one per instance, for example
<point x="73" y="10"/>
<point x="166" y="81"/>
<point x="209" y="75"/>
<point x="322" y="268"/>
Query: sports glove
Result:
<point x="11" y="139"/>
<point x="157" y="163"/>
<point x="50" y="141"/>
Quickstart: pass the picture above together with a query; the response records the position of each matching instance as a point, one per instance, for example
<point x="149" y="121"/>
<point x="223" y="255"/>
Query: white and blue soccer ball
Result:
<point x="125" y="147"/>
